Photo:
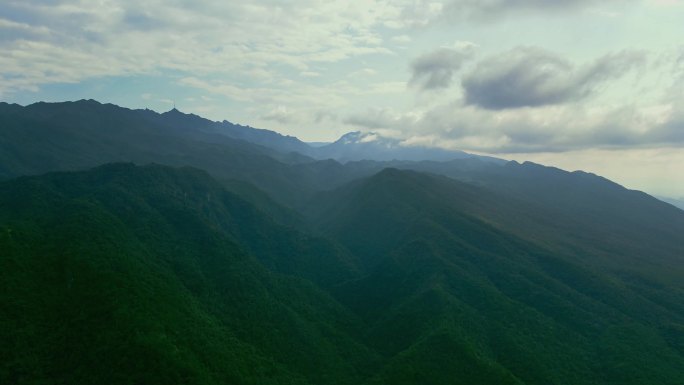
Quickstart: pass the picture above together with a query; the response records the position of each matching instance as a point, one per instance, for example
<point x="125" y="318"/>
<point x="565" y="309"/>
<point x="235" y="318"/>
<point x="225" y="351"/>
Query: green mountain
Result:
<point x="455" y="290"/>
<point x="70" y="136"/>
<point x="260" y="265"/>
<point x="128" y="274"/>
<point x="137" y="275"/>
<point x="564" y="211"/>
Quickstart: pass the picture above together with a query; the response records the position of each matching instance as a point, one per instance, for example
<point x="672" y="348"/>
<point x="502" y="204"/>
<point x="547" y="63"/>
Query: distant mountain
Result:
<point x="53" y="136"/>
<point x="570" y="211"/>
<point x="317" y="144"/>
<point x="45" y="137"/>
<point x="268" y="139"/>
<point x="673" y="201"/>
<point x="356" y="146"/>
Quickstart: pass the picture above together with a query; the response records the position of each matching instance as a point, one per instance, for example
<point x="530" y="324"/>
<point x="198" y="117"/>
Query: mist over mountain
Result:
<point x="140" y="247"/>
<point x="356" y="146"/>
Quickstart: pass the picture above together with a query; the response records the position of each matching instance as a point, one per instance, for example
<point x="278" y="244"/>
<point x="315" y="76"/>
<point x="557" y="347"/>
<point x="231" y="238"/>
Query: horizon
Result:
<point x="544" y="161"/>
<point x="578" y="84"/>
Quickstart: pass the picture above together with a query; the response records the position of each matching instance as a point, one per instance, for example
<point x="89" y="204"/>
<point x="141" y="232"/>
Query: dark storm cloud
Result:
<point x="436" y="69"/>
<point x="531" y="77"/>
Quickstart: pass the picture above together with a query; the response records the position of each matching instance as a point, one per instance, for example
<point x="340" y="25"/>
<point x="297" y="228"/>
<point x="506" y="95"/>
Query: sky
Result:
<point x="577" y="84"/>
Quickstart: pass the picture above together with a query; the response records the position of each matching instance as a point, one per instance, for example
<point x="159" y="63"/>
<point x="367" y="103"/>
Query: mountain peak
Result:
<point x="358" y="145"/>
<point x="357" y="137"/>
<point x="174" y="111"/>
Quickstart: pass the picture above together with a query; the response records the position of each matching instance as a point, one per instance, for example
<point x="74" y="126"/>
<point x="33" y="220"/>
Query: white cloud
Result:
<point x="310" y="74"/>
<point x="70" y="41"/>
<point x="531" y="130"/>
<point x="364" y="72"/>
<point x="402" y="39"/>
<point x="282" y="114"/>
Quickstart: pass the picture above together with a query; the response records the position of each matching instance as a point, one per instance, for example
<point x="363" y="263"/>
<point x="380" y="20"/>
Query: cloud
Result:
<point x="421" y="13"/>
<point x="363" y="73"/>
<point x="46" y="42"/>
<point x="12" y="31"/>
<point x="382" y="118"/>
<point x="488" y="9"/>
<point x="142" y="21"/>
<point x="435" y="70"/>
<point x="533" y="77"/>
<point x="281" y="114"/>
<point x="667" y="3"/>
<point x="545" y="129"/>
<point x="409" y="14"/>
<point x="402" y="39"/>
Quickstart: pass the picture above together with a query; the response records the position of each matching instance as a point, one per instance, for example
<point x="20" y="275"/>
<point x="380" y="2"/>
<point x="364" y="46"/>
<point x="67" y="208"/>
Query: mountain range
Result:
<point x="140" y="247"/>
<point x="673" y="201"/>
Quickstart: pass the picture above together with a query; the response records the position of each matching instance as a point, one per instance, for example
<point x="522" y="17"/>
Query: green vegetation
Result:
<point x="128" y="274"/>
<point x="274" y="268"/>
<point x="441" y="279"/>
<point x="125" y="275"/>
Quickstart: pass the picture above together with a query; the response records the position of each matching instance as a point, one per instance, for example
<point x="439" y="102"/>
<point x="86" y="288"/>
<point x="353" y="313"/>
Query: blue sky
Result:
<point x="580" y="84"/>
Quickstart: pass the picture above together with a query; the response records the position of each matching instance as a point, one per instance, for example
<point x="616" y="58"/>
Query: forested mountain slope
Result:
<point x="447" y="274"/>
<point x="128" y="275"/>
<point x="260" y="265"/>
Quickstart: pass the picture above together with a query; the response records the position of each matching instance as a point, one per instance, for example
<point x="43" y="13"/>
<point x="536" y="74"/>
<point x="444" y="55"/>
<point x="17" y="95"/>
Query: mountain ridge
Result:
<point x="290" y="270"/>
<point x="430" y="243"/>
<point x="285" y="144"/>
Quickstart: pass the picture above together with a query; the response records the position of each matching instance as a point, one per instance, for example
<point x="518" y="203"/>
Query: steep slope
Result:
<point x="574" y="211"/>
<point x="282" y="143"/>
<point x="679" y="203"/>
<point x="128" y="274"/>
<point x="450" y="286"/>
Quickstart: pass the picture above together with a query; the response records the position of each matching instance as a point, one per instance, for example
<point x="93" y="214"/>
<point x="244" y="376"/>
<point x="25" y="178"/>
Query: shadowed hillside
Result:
<point x="258" y="265"/>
